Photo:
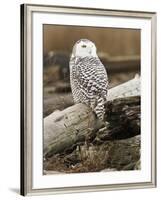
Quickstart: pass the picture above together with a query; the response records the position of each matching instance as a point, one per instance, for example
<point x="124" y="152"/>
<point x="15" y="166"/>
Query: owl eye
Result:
<point x="84" y="46"/>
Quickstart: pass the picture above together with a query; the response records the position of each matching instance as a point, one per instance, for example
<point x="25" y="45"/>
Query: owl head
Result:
<point x="84" y="48"/>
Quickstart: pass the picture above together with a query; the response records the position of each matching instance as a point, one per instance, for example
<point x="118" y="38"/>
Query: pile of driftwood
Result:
<point x="76" y="141"/>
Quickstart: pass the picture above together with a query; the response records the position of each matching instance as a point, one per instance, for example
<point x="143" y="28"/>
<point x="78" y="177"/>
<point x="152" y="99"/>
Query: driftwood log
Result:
<point x="64" y="130"/>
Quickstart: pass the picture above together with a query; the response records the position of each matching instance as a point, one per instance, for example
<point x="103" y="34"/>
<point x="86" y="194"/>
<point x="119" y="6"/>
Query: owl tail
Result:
<point x="99" y="109"/>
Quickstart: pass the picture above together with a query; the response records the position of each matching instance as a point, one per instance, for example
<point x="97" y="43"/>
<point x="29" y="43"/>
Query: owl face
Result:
<point x="84" y="48"/>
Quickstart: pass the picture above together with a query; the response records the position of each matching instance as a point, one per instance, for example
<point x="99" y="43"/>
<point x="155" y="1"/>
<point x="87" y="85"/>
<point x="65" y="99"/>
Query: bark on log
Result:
<point x="65" y="129"/>
<point x="123" y="154"/>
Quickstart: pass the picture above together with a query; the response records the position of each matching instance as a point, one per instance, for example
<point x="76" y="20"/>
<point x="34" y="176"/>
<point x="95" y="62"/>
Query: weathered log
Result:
<point x="65" y="129"/>
<point x="122" y="154"/>
<point x="123" y="116"/>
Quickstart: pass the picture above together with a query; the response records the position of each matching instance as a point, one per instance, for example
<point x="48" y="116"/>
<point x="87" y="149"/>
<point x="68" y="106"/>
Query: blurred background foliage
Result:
<point x="118" y="49"/>
<point x="113" y="41"/>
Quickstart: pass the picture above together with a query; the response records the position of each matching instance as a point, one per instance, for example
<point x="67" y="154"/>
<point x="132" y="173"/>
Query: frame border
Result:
<point x="26" y="98"/>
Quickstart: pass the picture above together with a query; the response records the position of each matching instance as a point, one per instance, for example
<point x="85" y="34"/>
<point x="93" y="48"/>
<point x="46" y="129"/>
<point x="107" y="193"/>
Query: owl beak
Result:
<point x="90" y="51"/>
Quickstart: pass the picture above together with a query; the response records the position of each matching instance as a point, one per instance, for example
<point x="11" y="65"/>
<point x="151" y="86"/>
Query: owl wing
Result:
<point x="91" y="77"/>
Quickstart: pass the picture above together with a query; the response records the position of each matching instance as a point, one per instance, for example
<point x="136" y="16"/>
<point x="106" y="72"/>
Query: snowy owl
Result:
<point x="88" y="77"/>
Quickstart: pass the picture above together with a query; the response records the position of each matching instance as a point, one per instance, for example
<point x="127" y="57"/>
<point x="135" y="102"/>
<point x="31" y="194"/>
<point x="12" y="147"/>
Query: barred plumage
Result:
<point x="88" y="77"/>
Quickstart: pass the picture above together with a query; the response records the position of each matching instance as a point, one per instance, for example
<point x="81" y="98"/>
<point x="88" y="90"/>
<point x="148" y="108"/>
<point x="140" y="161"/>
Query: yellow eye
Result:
<point x="84" y="46"/>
